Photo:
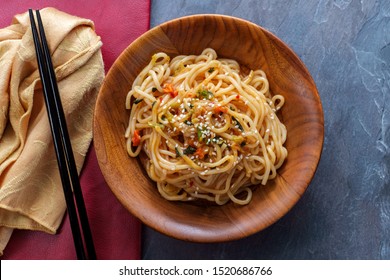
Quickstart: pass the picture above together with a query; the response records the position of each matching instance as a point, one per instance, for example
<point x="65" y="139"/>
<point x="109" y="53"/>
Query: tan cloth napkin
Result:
<point x="31" y="195"/>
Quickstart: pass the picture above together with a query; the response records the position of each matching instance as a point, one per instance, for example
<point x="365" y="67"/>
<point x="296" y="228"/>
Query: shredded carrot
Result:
<point x="168" y="88"/>
<point x="200" y="153"/>
<point x="136" y="139"/>
<point x="220" y="109"/>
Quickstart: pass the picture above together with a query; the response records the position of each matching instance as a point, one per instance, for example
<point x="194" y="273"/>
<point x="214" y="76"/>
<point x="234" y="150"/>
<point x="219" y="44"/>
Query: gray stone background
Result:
<point x="345" y="212"/>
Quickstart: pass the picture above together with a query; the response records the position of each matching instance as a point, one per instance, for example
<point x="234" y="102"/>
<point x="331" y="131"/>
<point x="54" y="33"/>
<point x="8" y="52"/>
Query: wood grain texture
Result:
<point x="253" y="47"/>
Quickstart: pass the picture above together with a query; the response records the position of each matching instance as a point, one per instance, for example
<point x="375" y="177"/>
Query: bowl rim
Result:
<point x="196" y="237"/>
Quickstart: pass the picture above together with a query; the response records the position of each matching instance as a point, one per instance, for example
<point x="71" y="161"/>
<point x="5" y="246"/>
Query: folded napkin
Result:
<point x="31" y="195"/>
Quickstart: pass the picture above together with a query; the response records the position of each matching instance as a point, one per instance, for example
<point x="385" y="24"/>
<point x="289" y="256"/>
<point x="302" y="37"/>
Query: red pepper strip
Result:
<point x="200" y="153"/>
<point x="168" y="88"/>
<point x="136" y="139"/>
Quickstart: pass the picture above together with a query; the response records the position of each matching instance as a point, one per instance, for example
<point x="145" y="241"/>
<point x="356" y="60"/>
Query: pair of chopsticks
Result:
<point x="66" y="163"/>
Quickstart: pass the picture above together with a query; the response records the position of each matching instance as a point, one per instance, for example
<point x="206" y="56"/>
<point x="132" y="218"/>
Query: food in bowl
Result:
<point x="209" y="130"/>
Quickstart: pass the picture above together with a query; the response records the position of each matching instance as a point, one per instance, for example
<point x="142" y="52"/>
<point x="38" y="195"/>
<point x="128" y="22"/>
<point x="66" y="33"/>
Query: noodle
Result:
<point x="208" y="132"/>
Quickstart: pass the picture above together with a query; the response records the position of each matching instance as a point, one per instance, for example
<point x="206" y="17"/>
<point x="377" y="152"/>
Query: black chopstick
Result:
<point x="66" y="163"/>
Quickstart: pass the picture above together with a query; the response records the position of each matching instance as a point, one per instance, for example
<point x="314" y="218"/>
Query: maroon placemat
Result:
<point x="116" y="232"/>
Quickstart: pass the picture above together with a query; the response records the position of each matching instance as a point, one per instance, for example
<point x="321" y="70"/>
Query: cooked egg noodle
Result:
<point x="209" y="132"/>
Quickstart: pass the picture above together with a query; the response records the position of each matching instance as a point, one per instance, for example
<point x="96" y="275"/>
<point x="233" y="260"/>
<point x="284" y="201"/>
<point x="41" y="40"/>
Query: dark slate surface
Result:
<point x="345" y="213"/>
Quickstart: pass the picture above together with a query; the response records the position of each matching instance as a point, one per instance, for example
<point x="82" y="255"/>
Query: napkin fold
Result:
<point x="31" y="195"/>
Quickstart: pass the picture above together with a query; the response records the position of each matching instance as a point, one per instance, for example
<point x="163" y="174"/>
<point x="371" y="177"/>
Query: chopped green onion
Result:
<point x="199" y="132"/>
<point x="206" y="94"/>
<point x="237" y="124"/>
<point x="154" y="89"/>
<point x="211" y="70"/>
<point x="189" y="150"/>
<point x="177" y="152"/>
<point x="218" y="140"/>
<point x="203" y="134"/>
<point x="138" y="100"/>
<point x="154" y="102"/>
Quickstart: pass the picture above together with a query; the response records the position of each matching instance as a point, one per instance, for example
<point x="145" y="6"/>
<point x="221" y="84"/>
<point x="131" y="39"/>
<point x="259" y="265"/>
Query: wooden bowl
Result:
<point x="253" y="47"/>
